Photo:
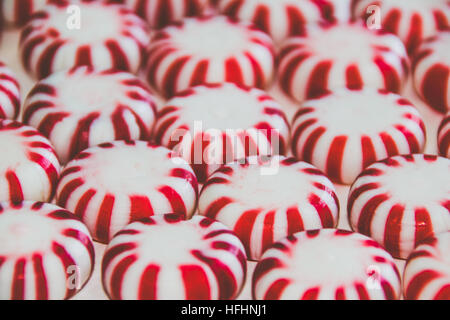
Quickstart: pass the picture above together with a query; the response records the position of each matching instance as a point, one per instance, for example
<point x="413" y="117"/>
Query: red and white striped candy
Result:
<point x="113" y="184"/>
<point x="401" y="201"/>
<point x="17" y="13"/>
<point x="265" y="200"/>
<point x="9" y="93"/>
<point x="209" y="50"/>
<point x="167" y="258"/>
<point x="161" y="13"/>
<point x="308" y="68"/>
<point x="53" y="41"/>
<point x="285" y="18"/>
<point x="432" y="72"/>
<point x="345" y="131"/>
<point x="412" y="20"/>
<point x="427" y="272"/>
<point x="29" y="168"/>
<point x="326" y="264"/>
<point x="444" y="137"/>
<point x="202" y="124"/>
<point x="45" y="252"/>
<point x="81" y="108"/>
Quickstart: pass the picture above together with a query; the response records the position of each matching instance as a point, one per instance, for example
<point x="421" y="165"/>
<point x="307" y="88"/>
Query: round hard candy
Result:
<point x="29" y="168"/>
<point x="308" y="68"/>
<point x="411" y="20"/>
<point x="326" y="264"/>
<point x="165" y="257"/>
<point x="55" y="40"/>
<point x="45" y="253"/>
<point x="431" y="66"/>
<point x="210" y="49"/>
<point x="216" y="124"/>
<point x="401" y="201"/>
<point x="265" y="200"/>
<point x="82" y="107"/>
<point x="113" y="184"/>
<point x="345" y="131"/>
<point x="427" y="271"/>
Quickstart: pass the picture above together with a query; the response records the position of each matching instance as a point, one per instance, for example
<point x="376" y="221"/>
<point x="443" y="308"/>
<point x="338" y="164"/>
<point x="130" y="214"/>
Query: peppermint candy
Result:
<point x="9" y="93"/>
<point x="401" y="201"/>
<point x="113" y="184"/>
<point x="165" y="257"/>
<point x="17" y="13"/>
<point x="211" y="49"/>
<point x="285" y="18"/>
<point x="82" y="107"/>
<point x="309" y="69"/>
<point x="161" y="13"/>
<point x="432" y="71"/>
<point x="345" y="131"/>
<point x="202" y="125"/>
<point x="427" y="271"/>
<point x="412" y="21"/>
<point x="444" y="137"/>
<point x="265" y="200"/>
<point x="56" y="41"/>
<point x="326" y="264"/>
<point x="45" y="253"/>
<point x="29" y="167"/>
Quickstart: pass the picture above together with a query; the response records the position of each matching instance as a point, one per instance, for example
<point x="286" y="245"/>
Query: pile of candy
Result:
<point x="152" y="129"/>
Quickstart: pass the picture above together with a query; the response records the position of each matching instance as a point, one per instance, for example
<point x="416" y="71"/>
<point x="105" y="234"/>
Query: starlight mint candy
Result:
<point x="29" y="167"/>
<point x="284" y="18"/>
<point x="113" y="184"/>
<point x="16" y="13"/>
<point x="326" y="265"/>
<point x="427" y="272"/>
<point x="81" y="108"/>
<point x="160" y="13"/>
<point x="9" y="93"/>
<point x="412" y="20"/>
<point x="343" y="132"/>
<point x="263" y="201"/>
<point x="215" y="124"/>
<point x="165" y="257"/>
<point x="401" y="201"/>
<point x="53" y="42"/>
<point x="432" y="71"/>
<point x="308" y="68"/>
<point x="45" y="253"/>
<point x="444" y="137"/>
<point x="209" y="50"/>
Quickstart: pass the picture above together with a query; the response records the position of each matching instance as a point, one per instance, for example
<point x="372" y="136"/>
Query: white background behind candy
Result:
<point x="93" y="290"/>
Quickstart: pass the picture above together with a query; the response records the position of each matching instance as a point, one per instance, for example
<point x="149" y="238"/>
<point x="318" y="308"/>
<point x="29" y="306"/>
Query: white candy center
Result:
<point x="126" y="170"/>
<point x="223" y="108"/>
<point x="22" y="233"/>
<point x="361" y="112"/>
<point x="215" y="38"/>
<point x="15" y="151"/>
<point x="170" y="243"/>
<point x="82" y="94"/>
<point x="329" y="259"/>
<point x="418" y="183"/>
<point x="285" y="187"/>
<point x="356" y="40"/>
<point x="97" y="23"/>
